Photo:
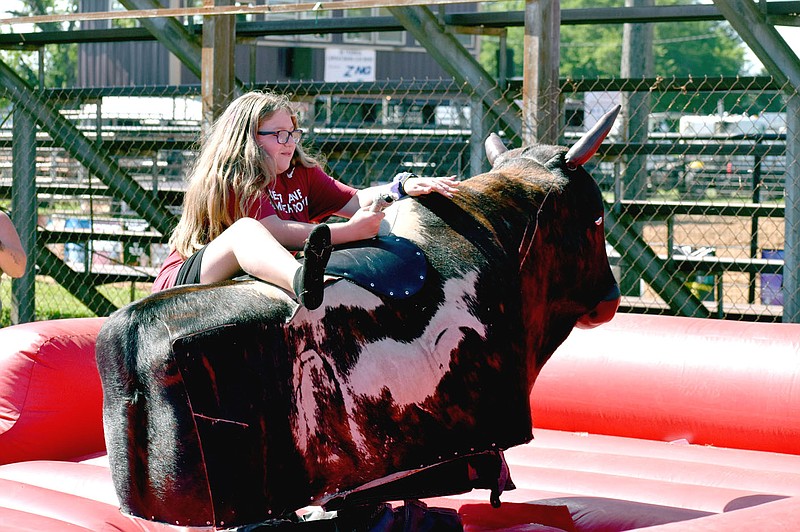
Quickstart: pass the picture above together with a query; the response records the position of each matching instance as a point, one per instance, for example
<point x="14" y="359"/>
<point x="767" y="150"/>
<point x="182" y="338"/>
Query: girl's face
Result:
<point x="280" y="153"/>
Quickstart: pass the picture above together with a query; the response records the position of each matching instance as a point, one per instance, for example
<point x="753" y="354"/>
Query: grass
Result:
<point x="53" y="301"/>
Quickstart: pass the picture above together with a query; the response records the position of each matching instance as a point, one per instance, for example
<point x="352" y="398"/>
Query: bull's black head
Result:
<point x="565" y="277"/>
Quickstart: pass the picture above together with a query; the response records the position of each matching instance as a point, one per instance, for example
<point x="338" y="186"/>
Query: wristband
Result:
<point x="398" y="184"/>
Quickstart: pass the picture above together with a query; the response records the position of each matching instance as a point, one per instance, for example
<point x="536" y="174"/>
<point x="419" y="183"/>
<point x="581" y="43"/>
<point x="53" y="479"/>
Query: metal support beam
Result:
<point x="456" y="61"/>
<point x="218" y="61"/>
<point x="659" y="274"/>
<point x="65" y="134"/>
<point x="175" y="36"/>
<point x="780" y="13"/>
<point x="77" y="284"/>
<point x="24" y="213"/>
<point x="171" y="33"/>
<point x="540" y="83"/>
<point x="784" y="65"/>
<point x="791" y="251"/>
<point x="637" y="62"/>
<point x="479" y="129"/>
<point x="763" y="39"/>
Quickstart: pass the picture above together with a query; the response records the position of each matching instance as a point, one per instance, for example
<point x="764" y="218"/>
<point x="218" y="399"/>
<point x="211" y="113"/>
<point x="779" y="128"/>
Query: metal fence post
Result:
<point x="791" y="275"/>
<point x="478" y="126"/>
<point x="637" y="61"/>
<point x="756" y="197"/>
<point x="540" y="86"/>
<point x="24" y="213"/>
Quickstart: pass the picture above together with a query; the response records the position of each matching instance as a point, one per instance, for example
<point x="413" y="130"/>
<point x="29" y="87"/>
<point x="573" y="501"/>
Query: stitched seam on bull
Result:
<point x="194" y="416"/>
<point x="524" y="256"/>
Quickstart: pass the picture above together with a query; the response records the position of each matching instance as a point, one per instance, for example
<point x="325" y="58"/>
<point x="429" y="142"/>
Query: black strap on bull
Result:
<point x="484" y="470"/>
<point x="465" y="224"/>
<point x="412" y="516"/>
<point x="363" y="508"/>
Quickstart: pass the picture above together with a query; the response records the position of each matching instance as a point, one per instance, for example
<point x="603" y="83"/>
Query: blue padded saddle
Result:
<point x="388" y="265"/>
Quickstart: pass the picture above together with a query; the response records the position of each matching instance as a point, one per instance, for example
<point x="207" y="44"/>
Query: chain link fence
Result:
<point x="697" y="172"/>
<point x="693" y="176"/>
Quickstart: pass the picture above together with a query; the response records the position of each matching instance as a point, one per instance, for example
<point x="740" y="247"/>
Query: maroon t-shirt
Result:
<point x="301" y="194"/>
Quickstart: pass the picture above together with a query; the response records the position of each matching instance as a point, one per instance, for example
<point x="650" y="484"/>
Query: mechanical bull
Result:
<point x="229" y="404"/>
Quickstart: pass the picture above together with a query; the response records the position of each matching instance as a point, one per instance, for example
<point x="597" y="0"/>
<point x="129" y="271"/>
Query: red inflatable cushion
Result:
<point x="50" y="393"/>
<point x="708" y="382"/>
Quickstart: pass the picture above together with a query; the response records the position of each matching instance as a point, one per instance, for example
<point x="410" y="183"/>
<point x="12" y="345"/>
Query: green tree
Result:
<point x="702" y="48"/>
<point x="591" y="51"/>
<point x="698" y="49"/>
<point x="60" y="61"/>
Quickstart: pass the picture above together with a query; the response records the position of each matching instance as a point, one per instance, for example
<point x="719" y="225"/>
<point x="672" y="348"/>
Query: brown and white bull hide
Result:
<point x="229" y="404"/>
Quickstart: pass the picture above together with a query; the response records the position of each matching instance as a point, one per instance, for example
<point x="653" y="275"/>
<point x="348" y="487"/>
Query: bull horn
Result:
<point x="583" y="150"/>
<point x="494" y="147"/>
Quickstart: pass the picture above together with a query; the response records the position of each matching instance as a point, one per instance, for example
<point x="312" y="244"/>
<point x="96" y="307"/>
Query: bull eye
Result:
<point x="598" y="221"/>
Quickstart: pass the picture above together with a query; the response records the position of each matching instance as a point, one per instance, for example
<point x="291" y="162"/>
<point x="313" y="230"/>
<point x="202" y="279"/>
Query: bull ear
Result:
<point x="494" y="147"/>
<point x="583" y="150"/>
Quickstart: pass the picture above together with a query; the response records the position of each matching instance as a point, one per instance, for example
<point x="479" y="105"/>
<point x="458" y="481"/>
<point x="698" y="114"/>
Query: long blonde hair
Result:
<point x="231" y="167"/>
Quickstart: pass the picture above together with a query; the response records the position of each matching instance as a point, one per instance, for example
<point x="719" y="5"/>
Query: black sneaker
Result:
<point x="309" y="280"/>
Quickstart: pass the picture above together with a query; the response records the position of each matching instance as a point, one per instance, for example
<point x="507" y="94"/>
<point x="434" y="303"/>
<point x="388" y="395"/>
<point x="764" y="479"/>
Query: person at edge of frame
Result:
<point x="13" y="257"/>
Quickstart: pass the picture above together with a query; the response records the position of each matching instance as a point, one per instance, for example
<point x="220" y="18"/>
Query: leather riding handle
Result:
<point x="381" y="202"/>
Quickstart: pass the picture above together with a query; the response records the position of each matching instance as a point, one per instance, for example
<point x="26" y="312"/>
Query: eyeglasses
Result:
<point x="283" y="135"/>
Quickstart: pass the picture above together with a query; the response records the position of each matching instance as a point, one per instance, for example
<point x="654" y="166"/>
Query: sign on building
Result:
<point x="349" y="65"/>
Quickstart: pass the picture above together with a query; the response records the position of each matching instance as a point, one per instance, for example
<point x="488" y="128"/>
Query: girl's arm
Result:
<point x="363" y="224"/>
<point x="404" y="184"/>
<point x="414" y="185"/>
